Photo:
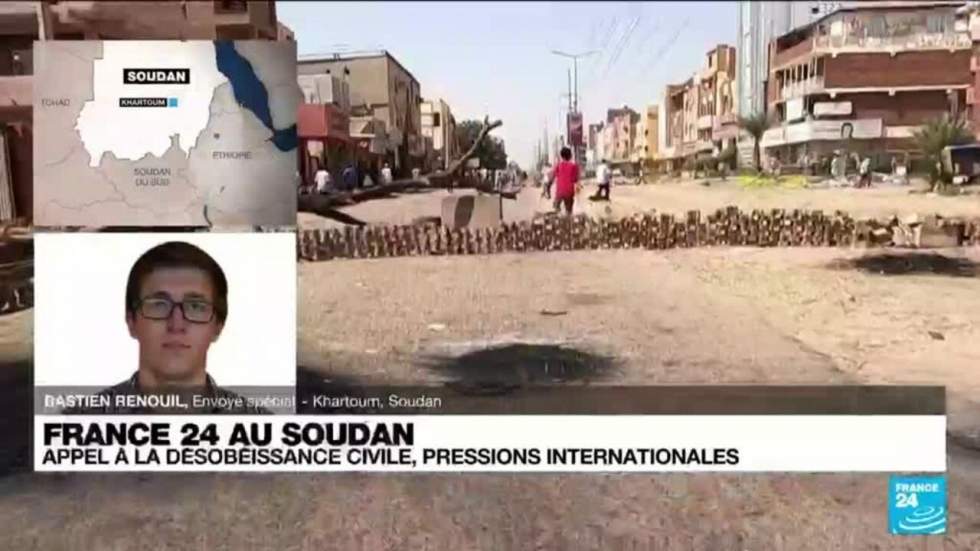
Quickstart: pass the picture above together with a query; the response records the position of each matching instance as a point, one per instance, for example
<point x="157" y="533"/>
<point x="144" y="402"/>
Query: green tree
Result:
<point x="491" y="151"/>
<point x="756" y="125"/>
<point x="936" y="135"/>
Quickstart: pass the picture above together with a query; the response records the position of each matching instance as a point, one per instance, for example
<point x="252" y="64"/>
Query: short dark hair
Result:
<point x="177" y="254"/>
<point x="566" y="153"/>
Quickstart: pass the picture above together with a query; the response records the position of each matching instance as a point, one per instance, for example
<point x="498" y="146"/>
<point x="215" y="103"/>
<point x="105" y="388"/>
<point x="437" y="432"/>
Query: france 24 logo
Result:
<point x="917" y="505"/>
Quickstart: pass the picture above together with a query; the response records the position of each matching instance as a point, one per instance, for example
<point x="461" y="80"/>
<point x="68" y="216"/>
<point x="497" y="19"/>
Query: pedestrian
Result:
<point x="566" y="180"/>
<point x="547" y="178"/>
<point x="386" y="177"/>
<point x="322" y="179"/>
<point x="603" y="176"/>
<point x="349" y="177"/>
<point x="416" y="173"/>
<point x="866" y="172"/>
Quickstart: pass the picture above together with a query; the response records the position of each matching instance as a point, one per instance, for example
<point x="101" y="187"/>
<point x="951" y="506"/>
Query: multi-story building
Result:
<point x="646" y="142"/>
<point x="285" y="33"/>
<point x="676" y="123"/>
<point x="969" y="17"/>
<point x="619" y="135"/>
<point x="382" y="87"/>
<point x="701" y="117"/>
<point x="865" y="77"/>
<point x="717" y="100"/>
<point x="323" y="125"/>
<point x="439" y="126"/>
<point x="21" y="23"/>
<point x="595" y="145"/>
<point x="758" y="24"/>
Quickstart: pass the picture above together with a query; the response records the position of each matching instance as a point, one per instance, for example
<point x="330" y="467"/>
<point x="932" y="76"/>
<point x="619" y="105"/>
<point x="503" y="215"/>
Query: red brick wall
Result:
<point x="902" y="109"/>
<point x="905" y="69"/>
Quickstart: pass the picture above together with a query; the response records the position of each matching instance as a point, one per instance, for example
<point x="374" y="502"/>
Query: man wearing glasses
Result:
<point x="176" y="307"/>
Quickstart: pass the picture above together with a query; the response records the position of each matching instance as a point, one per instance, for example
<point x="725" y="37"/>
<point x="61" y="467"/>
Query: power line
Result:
<point x="622" y="44"/>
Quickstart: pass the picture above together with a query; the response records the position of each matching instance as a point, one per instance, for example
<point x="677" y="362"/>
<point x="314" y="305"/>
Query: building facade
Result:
<point x="969" y="17"/>
<point x="324" y="126"/>
<point x="439" y="127"/>
<point x="758" y="24"/>
<point x="382" y="87"/>
<point x="864" y="78"/>
<point x="619" y="135"/>
<point x="646" y="145"/>
<point x="701" y="113"/>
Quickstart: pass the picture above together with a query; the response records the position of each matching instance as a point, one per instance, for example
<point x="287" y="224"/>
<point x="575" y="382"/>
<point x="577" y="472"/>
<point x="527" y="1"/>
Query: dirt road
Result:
<point x="711" y="315"/>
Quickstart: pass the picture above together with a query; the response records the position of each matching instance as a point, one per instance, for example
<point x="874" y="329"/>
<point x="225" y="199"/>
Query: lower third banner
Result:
<point x="492" y="443"/>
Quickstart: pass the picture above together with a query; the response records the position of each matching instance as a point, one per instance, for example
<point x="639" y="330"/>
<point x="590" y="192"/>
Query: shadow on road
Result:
<point x="910" y="264"/>
<point x="502" y="369"/>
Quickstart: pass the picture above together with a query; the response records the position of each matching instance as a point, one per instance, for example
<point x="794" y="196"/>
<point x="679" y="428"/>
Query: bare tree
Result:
<point x="327" y="205"/>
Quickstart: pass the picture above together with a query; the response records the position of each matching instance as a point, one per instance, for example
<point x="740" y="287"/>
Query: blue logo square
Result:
<point x="917" y="505"/>
<point x="172" y="102"/>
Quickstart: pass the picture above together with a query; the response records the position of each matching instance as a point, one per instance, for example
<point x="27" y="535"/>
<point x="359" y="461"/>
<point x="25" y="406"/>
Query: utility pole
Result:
<point x="571" y="99"/>
<point x="574" y="58"/>
<point x="573" y="95"/>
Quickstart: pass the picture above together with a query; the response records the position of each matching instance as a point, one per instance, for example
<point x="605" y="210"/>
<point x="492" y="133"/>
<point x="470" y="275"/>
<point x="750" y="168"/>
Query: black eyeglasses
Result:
<point x="193" y="310"/>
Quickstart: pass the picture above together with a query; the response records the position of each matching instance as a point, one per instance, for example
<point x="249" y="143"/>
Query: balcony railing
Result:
<point x="814" y="85"/>
<point x="919" y="41"/>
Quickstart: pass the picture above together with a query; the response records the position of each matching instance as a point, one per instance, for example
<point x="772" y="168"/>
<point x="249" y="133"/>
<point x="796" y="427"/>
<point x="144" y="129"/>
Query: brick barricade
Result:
<point x="725" y="227"/>
<point x="16" y="287"/>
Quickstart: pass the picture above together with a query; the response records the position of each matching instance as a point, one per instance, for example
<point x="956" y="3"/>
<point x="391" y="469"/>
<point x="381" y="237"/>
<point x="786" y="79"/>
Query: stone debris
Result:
<point x="725" y="227"/>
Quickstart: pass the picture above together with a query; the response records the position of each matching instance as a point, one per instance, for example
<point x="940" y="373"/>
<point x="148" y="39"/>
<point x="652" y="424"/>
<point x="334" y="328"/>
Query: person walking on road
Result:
<point x="865" y="171"/>
<point x="547" y="178"/>
<point x="386" y="177"/>
<point x="604" y="177"/>
<point x="566" y="180"/>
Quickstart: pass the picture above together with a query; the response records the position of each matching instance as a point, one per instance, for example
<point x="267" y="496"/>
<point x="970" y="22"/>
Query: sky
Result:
<point x="494" y="58"/>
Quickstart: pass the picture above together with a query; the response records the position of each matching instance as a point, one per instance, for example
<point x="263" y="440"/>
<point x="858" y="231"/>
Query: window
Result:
<point x="435" y="119"/>
<point x="937" y="23"/>
<point x="878" y="27"/>
<point x="230" y="6"/>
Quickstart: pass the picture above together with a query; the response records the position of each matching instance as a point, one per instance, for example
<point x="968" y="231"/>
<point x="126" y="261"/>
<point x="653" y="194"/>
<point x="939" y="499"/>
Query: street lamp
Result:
<point x="574" y="58"/>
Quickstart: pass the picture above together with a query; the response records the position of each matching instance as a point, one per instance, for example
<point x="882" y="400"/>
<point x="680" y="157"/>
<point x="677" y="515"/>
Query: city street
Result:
<point x="677" y="197"/>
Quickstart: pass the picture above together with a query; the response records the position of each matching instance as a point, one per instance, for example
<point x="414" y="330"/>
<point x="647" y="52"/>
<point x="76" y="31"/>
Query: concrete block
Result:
<point x="471" y="211"/>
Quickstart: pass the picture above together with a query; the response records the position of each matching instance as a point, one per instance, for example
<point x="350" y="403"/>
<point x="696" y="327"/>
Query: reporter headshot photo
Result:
<point x="176" y="306"/>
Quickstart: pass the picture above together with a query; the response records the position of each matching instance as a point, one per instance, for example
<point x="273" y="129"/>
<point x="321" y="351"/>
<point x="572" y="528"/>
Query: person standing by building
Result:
<point x="865" y="172"/>
<point x="386" y="177"/>
<point x="566" y="180"/>
<point x="349" y="177"/>
<point x="322" y="179"/>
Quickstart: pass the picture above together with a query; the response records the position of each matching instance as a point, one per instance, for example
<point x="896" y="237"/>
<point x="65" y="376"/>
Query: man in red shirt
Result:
<point x="566" y="178"/>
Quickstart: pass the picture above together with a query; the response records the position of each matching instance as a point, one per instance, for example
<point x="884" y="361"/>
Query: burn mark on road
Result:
<point x="501" y="369"/>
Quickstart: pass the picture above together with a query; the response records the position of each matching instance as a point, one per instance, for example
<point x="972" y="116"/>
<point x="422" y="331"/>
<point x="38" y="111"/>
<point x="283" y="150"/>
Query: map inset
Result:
<point x="165" y="133"/>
